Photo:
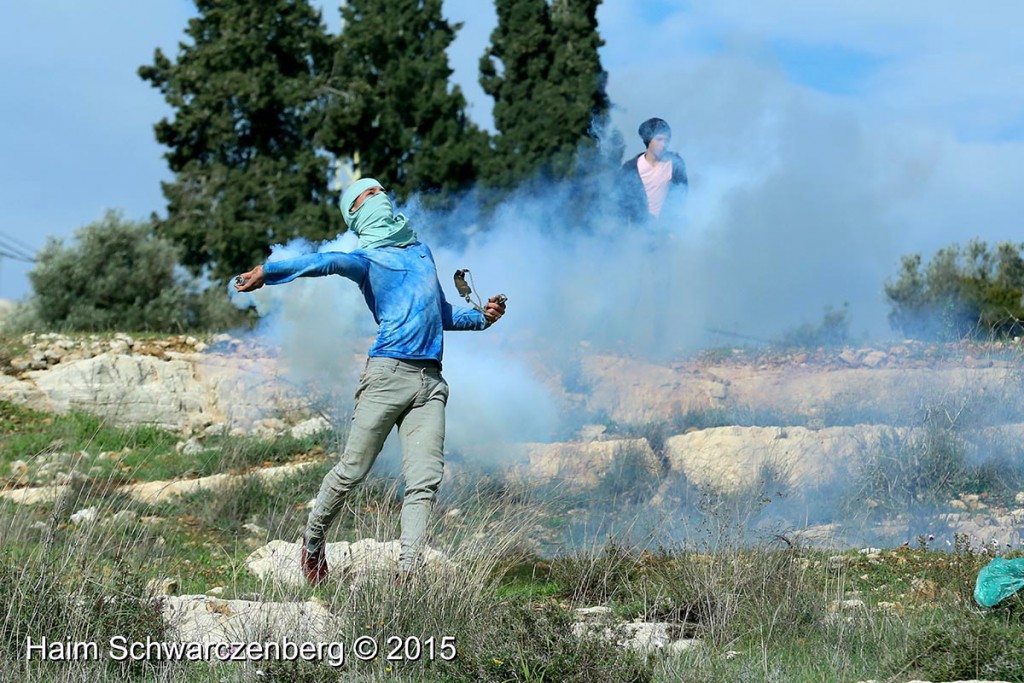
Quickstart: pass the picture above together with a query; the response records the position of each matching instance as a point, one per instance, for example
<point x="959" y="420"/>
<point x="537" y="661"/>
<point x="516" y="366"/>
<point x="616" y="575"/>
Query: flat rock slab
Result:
<point x="580" y="465"/>
<point x="278" y="561"/>
<point x="158" y="491"/>
<point x="152" y="492"/>
<point x="33" y="495"/>
<point x="206" y="619"/>
<point x="730" y="458"/>
<point x="643" y="636"/>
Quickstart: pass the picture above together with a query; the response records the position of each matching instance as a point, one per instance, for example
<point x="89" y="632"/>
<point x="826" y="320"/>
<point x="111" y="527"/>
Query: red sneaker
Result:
<point x="314" y="565"/>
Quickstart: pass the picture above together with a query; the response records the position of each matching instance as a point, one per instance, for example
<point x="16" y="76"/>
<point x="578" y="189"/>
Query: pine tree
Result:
<point x="391" y="110"/>
<point x="246" y="93"/>
<point x="545" y="76"/>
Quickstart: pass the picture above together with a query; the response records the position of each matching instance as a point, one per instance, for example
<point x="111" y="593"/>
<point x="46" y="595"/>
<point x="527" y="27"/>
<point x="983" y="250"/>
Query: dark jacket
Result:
<point x="633" y="197"/>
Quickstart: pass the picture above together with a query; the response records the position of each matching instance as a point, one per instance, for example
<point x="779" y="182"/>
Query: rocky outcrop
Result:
<point x="171" y="384"/>
<point x="128" y="390"/>
<point x="278" y="561"/>
<point x="730" y="458"/>
<point x="598" y="623"/>
<point x="881" y="395"/>
<point x="153" y="492"/>
<point x="207" y="619"/>
<point x="580" y="465"/>
<point x="34" y="495"/>
<point x="228" y="386"/>
<point x="636" y="392"/>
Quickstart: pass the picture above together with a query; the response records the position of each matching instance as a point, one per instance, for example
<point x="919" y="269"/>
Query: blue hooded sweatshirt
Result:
<point x="401" y="289"/>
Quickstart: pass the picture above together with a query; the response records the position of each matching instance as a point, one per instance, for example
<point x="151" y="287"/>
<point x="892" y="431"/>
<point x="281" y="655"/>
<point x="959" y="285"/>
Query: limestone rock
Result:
<point x="278" y="561"/>
<point x="591" y="432"/>
<point x="131" y="383"/>
<point x="34" y="495"/>
<point x="193" y="446"/>
<point x="23" y="393"/>
<point x="875" y="358"/>
<point x="207" y="619"/>
<point x="851" y="605"/>
<point x="635" y="392"/>
<point x="729" y="458"/>
<point x="158" y="491"/>
<point x="593" y="613"/>
<point x="254" y="529"/>
<point x="579" y="465"/>
<point x="162" y="586"/>
<point x="641" y="636"/>
<point x="311" y="427"/>
<point x="268" y="428"/>
<point x="127" y="389"/>
<point x="85" y="516"/>
<point x="18" y="469"/>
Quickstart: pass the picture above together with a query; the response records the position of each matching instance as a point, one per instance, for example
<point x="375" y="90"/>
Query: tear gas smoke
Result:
<point x="798" y="201"/>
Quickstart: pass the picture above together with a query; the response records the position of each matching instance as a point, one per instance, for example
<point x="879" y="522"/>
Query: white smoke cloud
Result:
<point x="800" y="199"/>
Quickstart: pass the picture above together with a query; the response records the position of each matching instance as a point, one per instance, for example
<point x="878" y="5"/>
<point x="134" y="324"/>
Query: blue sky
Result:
<point x="908" y="118"/>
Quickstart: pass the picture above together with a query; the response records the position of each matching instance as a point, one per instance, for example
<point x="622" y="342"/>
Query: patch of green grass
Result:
<point x="49" y="595"/>
<point x="509" y="607"/>
<point x="963" y="644"/>
<point x="10" y="348"/>
<point x="527" y="580"/>
<point x="139" y="453"/>
<point x="29" y="434"/>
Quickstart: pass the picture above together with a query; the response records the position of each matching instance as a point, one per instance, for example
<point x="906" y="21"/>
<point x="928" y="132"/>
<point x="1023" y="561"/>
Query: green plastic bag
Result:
<point x="998" y="580"/>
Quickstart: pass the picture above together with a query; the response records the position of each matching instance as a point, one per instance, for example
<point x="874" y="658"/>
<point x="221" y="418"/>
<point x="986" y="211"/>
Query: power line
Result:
<point x="15" y="248"/>
<point x="17" y="241"/>
<point x="16" y="257"/>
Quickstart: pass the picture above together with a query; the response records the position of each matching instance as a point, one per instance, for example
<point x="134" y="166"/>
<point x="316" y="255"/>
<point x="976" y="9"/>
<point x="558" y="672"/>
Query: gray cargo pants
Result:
<point x="413" y="395"/>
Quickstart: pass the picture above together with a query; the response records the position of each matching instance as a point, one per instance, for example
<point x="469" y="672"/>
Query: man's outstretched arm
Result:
<point x="465" y="318"/>
<point x="310" y="265"/>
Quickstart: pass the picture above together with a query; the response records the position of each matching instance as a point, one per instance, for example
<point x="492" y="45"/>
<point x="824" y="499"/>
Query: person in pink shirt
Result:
<point x="648" y="178"/>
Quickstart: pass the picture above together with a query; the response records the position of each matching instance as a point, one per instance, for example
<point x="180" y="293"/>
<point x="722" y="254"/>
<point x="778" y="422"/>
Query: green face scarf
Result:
<point x="375" y="222"/>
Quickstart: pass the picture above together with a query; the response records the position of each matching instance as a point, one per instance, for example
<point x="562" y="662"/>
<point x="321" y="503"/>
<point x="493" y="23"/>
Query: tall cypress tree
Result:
<point x="576" y="70"/>
<point x="245" y="93"/>
<point x="391" y="109"/>
<point x="515" y="72"/>
<point x="545" y="76"/>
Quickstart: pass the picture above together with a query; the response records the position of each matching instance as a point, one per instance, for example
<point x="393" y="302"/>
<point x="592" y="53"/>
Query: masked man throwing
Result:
<point x="402" y="383"/>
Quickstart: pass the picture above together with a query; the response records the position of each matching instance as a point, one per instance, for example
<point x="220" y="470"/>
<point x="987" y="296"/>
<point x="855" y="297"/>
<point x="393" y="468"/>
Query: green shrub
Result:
<point x="117" y="275"/>
<point x="971" y="292"/>
<point x="917" y="470"/>
<point x="930" y="466"/>
<point x="731" y="593"/>
<point x="629" y="478"/>
<point x="832" y="331"/>
<point x="593" y="576"/>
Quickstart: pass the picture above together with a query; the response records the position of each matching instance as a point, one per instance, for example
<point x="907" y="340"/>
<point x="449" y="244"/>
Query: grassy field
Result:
<point x="759" y="606"/>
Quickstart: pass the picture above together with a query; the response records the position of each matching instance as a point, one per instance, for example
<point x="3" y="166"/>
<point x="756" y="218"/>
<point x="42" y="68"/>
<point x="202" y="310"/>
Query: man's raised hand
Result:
<point x="494" y="309"/>
<point x="250" y="281"/>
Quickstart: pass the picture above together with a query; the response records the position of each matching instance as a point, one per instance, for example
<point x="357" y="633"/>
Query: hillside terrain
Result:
<point x="844" y="497"/>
